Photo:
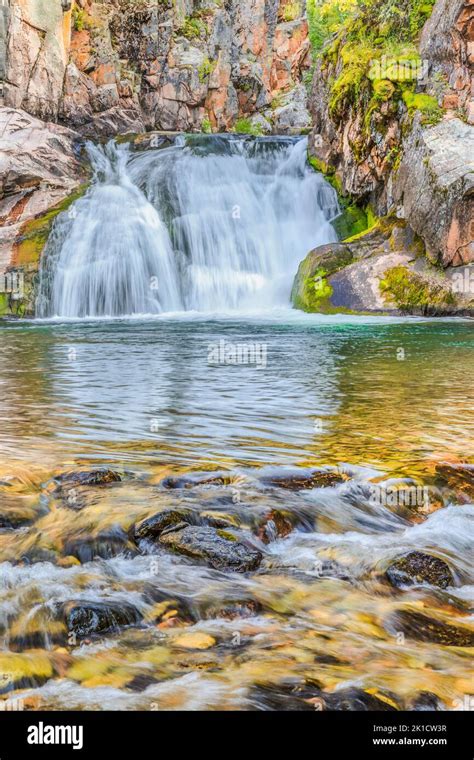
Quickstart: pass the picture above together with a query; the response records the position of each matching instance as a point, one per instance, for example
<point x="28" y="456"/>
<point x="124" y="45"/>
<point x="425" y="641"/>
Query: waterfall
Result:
<point x="210" y="223"/>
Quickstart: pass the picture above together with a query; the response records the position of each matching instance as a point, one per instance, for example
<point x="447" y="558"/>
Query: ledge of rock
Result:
<point x="382" y="271"/>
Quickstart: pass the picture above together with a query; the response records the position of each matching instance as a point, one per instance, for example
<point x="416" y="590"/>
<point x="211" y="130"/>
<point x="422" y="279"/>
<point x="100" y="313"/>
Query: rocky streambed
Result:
<point x="270" y="588"/>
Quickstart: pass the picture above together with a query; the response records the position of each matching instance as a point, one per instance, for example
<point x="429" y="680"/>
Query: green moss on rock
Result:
<point x="414" y="294"/>
<point x="311" y="289"/>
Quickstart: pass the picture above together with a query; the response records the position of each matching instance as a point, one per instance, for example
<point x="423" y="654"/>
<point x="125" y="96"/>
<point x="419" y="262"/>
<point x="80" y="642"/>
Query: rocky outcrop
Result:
<point x="383" y="270"/>
<point x="447" y="41"/>
<point x="435" y="181"/>
<point x="40" y="174"/>
<point x="395" y="132"/>
<point x="120" y="66"/>
<point x="37" y="55"/>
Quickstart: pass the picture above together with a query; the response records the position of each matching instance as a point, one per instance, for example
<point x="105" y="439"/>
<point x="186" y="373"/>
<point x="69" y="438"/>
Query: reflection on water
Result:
<point x="390" y="394"/>
<point x="378" y="399"/>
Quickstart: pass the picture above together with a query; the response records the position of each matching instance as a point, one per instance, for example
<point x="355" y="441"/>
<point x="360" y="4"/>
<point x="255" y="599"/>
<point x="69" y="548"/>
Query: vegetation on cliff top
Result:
<point x="373" y="55"/>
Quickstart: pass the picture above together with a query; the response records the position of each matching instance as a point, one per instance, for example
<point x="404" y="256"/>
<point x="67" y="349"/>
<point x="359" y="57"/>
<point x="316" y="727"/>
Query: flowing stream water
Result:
<point x="220" y="226"/>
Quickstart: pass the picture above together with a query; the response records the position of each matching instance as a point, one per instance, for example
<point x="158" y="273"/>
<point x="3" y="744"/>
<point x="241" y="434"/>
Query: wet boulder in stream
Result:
<point x="84" y="618"/>
<point x="152" y="527"/>
<point x="418" y="567"/>
<point x="219" y="549"/>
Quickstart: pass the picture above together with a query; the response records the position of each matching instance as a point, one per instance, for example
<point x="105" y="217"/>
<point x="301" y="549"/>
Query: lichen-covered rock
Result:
<point x="415" y="625"/>
<point x="219" y="549"/>
<point x="418" y="567"/>
<point x="446" y="41"/>
<point x="37" y="53"/>
<point x="389" y="136"/>
<point x="291" y="116"/>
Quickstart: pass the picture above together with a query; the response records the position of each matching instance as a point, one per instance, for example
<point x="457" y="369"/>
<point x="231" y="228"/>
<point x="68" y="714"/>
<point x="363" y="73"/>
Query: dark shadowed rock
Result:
<point x="86" y="618"/>
<point x="105" y="545"/>
<point x="425" y="700"/>
<point x="418" y="567"/>
<point x="152" y="527"/>
<point x="415" y="625"/>
<point x="308" y="695"/>
<point x="218" y="548"/>
<point x="141" y="681"/>
<point x="88" y="478"/>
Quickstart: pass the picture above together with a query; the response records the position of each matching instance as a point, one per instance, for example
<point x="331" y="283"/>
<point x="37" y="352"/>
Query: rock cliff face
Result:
<point x="395" y="130"/>
<point x="112" y="66"/>
<point x="40" y="174"/>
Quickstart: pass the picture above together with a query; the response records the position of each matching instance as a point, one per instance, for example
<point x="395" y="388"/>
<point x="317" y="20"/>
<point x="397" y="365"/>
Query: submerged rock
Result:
<point x="309" y="696"/>
<point x="88" y="478"/>
<point x="105" y="545"/>
<point x="242" y="608"/>
<point x="86" y="618"/>
<point x="167" y="605"/>
<point x="220" y="550"/>
<point x="191" y="481"/>
<point x="417" y="567"/>
<point x="420" y="627"/>
<point x="425" y="700"/>
<point x="305" y="480"/>
<point x="459" y="477"/>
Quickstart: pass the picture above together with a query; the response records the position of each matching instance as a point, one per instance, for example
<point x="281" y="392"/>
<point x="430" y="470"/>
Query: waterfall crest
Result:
<point x="211" y="223"/>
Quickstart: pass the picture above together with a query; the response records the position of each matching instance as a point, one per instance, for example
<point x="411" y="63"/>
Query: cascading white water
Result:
<point x="209" y="224"/>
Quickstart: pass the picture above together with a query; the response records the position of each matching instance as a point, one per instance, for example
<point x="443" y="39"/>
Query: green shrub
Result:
<point x="245" y="126"/>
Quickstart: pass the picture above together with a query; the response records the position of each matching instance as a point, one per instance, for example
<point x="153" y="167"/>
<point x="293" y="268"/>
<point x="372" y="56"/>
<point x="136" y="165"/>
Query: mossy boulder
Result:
<point x="26" y="256"/>
<point x="380" y="270"/>
<point x="416" y="293"/>
<point x="311" y="288"/>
